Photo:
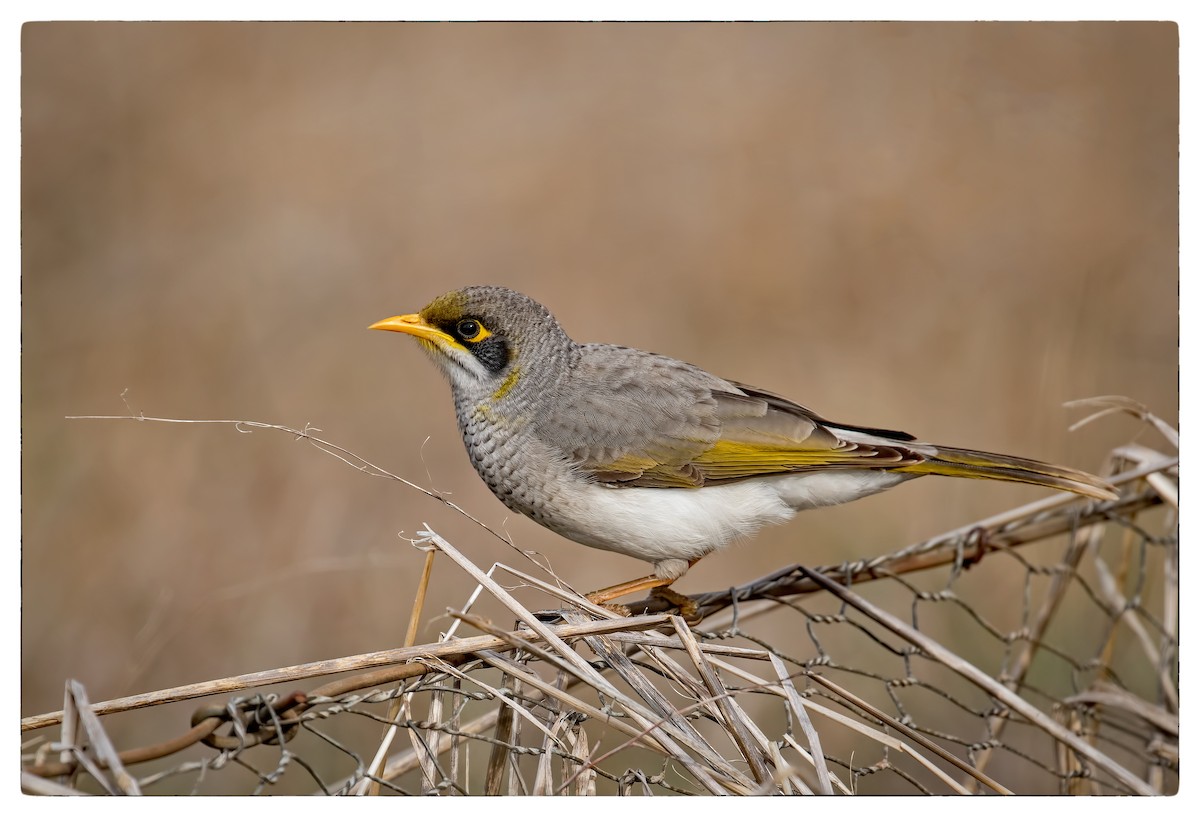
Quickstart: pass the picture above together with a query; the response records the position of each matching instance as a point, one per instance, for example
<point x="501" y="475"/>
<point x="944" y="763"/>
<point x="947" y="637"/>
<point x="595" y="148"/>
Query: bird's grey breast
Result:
<point x="522" y="471"/>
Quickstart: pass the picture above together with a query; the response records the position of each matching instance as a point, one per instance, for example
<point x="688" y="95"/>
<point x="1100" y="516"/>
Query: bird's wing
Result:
<point x="634" y="419"/>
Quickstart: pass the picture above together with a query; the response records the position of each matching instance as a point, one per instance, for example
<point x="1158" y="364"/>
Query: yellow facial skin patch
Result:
<point x="480" y="335"/>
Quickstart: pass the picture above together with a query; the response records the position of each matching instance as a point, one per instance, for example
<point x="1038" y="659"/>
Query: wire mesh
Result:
<point x="1067" y="684"/>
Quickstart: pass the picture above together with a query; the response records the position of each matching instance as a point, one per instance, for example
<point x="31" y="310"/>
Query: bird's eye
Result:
<point x="469" y="329"/>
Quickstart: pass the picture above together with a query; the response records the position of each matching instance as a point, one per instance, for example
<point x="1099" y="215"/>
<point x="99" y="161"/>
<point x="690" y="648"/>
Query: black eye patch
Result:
<point x="492" y="352"/>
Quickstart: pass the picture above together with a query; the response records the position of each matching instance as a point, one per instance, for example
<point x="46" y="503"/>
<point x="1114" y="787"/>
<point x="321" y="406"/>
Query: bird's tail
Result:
<point x="961" y="462"/>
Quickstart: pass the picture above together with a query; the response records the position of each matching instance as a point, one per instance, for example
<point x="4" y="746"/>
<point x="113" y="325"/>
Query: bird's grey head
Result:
<point x="494" y="344"/>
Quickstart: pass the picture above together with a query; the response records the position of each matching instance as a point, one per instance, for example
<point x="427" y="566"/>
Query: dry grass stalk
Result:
<point x="410" y="638"/>
<point x="314" y="669"/>
<point x="814" y="754"/>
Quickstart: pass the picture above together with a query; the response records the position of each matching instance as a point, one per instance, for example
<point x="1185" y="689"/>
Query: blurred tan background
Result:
<point x="948" y="229"/>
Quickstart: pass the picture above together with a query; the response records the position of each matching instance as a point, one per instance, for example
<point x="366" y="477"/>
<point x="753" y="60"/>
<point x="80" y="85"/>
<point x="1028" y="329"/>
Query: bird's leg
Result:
<point x="625" y="588"/>
<point x="657" y="584"/>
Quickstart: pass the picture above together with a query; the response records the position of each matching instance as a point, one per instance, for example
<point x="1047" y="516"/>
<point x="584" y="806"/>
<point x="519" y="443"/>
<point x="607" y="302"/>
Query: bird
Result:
<point x="641" y="454"/>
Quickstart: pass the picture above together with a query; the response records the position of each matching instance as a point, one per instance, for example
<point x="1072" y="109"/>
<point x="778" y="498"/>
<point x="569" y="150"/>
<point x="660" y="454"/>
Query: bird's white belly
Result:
<point x="658" y="524"/>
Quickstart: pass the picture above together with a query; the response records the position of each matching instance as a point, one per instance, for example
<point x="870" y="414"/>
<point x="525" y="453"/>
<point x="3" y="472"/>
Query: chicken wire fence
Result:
<point x="832" y="680"/>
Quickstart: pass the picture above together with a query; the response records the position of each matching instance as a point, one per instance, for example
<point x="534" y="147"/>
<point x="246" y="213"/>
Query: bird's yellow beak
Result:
<point x="413" y="325"/>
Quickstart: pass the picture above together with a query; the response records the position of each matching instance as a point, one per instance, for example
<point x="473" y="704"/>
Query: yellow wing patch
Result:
<point x="729" y="459"/>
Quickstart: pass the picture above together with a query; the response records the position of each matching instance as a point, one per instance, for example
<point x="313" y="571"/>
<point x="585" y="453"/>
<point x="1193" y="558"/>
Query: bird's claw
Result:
<point x="689" y="611"/>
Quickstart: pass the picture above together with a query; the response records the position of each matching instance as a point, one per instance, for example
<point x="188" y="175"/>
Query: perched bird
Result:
<point x="641" y="454"/>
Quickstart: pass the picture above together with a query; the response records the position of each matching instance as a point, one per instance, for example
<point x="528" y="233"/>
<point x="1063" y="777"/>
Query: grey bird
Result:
<point x="645" y="455"/>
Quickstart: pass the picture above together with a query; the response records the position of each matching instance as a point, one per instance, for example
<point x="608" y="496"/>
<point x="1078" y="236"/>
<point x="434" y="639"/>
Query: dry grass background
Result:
<point x="944" y="228"/>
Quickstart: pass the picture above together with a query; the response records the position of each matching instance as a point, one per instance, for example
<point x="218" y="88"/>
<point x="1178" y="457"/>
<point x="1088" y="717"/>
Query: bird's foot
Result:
<point x="688" y="609"/>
